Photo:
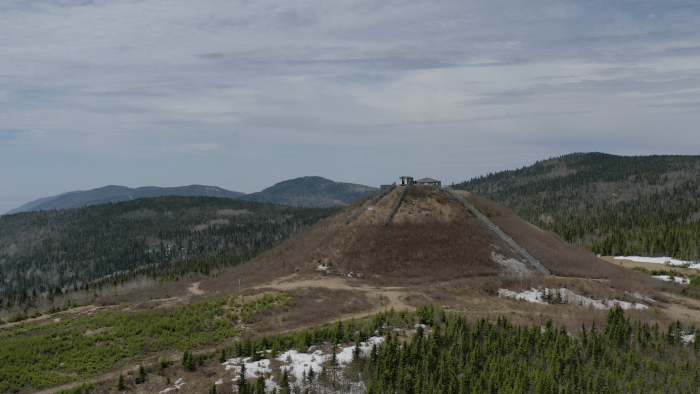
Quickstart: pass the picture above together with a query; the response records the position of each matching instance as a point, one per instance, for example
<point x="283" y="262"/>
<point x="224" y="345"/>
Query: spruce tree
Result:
<point x="242" y="382"/>
<point x="120" y="382"/>
<point x="141" y="377"/>
<point x="260" y="385"/>
<point x="284" y="382"/>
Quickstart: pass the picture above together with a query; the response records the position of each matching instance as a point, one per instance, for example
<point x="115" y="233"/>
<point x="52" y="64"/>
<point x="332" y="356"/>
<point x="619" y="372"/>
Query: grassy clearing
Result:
<point x="78" y="347"/>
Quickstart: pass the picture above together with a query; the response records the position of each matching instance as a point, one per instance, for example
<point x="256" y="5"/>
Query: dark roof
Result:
<point x="427" y="180"/>
<point x="405" y="176"/>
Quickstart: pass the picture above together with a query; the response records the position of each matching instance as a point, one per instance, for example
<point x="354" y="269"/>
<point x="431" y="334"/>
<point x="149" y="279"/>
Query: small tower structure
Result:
<point x="406" y="180"/>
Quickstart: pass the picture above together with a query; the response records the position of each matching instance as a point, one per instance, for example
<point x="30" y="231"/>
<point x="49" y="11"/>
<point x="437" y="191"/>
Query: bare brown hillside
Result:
<point x="431" y="238"/>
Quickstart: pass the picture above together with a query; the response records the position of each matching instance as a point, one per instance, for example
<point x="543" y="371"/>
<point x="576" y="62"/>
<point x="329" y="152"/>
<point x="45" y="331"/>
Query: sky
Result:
<point x="245" y="94"/>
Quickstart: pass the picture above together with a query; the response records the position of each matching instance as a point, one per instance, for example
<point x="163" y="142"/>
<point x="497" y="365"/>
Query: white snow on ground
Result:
<point x="252" y="369"/>
<point x="688" y="338"/>
<point x="529" y="296"/>
<point x="510" y="266"/>
<point x="568" y="297"/>
<point x="345" y="355"/>
<point x="660" y="260"/>
<point x="294" y="362"/>
<point x="297" y="363"/>
<point x="683" y="281"/>
<point x="323" y="268"/>
<point x="641" y="296"/>
<point x="177" y="386"/>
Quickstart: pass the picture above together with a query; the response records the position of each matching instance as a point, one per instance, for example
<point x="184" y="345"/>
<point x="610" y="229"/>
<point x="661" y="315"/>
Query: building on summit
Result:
<point x="429" y="182"/>
<point x="406" y="180"/>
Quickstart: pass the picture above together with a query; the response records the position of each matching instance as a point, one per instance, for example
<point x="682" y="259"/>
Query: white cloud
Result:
<point x="278" y="86"/>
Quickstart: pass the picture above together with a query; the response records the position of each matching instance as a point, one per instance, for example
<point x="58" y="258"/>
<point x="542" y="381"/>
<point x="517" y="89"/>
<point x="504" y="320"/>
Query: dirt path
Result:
<point x="74" y="311"/>
<point x="194" y="289"/>
<point x="394" y="295"/>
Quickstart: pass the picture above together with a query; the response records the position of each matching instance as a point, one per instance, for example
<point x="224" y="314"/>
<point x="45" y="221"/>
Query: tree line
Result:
<point x="59" y="250"/>
<point x="645" y="205"/>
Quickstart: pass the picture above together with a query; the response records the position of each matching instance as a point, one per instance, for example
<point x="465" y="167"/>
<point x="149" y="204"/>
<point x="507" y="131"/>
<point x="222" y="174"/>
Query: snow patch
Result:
<point x="510" y="266"/>
<point x="177" y="386"/>
<point x="297" y="363"/>
<point x="678" y="279"/>
<point x="252" y="369"/>
<point x="218" y="382"/>
<point x="568" y="297"/>
<point x="324" y="268"/>
<point x="641" y="296"/>
<point x="661" y="260"/>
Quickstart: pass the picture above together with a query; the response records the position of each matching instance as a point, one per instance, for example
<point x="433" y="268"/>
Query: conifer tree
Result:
<point x="141" y="377"/>
<point x="242" y="381"/>
<point x="356" y="353"/>
<point x="284" y="382"/>
<point x="260" y="385"/>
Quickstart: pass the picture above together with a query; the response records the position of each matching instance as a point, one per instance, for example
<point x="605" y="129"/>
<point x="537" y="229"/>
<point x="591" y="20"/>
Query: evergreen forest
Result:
<point x="59" y="250"/>
<point x="612" y="205"/>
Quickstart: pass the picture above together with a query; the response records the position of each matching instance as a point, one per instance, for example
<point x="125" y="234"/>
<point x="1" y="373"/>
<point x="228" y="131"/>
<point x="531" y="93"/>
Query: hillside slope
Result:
<point x="42" y="250"/>
<point x="311" y="191"/>
<point x="112" y="193"/>
<point x="28" y="206"/>
<point x="431" y="238"/>
<point x="646" y="205"/>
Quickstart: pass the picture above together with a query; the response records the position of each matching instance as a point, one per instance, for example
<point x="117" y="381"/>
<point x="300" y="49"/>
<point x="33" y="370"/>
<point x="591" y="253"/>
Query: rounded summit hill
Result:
<point x="431" y="237"/>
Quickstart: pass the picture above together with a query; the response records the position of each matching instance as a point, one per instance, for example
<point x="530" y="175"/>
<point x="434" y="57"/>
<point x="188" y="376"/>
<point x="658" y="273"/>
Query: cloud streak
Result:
<point x="248" y="93"/>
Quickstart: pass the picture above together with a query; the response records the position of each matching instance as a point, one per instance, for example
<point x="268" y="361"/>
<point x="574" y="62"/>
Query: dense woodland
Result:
<point x="483" y="357"/>
<point x="52" y="251"/>
<point x="612" y="205"/>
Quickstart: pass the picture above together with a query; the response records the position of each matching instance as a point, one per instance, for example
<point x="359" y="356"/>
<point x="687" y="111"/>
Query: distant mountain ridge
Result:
<point x="28" y="206"/>
<point x="311" y="191"/>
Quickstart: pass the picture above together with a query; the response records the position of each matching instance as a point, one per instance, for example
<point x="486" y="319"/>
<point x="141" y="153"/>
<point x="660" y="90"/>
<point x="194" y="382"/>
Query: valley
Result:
<point x="431" y="299"/>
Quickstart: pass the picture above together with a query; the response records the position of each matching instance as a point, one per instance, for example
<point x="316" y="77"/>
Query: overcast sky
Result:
<point x="244" y="94"/>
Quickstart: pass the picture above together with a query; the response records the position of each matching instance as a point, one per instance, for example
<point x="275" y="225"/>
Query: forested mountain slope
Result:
<point x="311" y="191"/>
<point x="103" y="195"/>
<point x="644" y="205"/>
<point x="42" y="250"/>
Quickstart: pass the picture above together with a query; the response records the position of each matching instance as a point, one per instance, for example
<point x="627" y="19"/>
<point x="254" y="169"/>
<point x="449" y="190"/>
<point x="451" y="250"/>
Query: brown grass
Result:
<point x="560" y="257"/>
<point x="432" y="238"/>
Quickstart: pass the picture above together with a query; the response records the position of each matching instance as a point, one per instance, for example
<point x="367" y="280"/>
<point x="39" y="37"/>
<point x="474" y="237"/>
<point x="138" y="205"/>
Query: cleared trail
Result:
<point x="500" y="232"/>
